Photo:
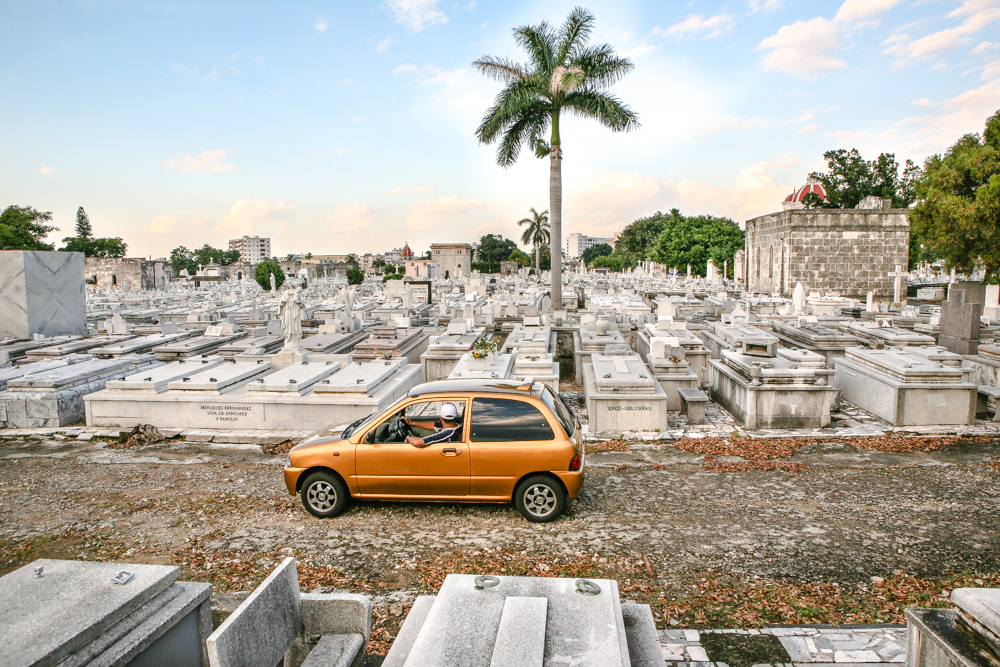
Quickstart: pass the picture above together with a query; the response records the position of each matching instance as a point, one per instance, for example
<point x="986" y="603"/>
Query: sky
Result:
<point x="337" y="127"/>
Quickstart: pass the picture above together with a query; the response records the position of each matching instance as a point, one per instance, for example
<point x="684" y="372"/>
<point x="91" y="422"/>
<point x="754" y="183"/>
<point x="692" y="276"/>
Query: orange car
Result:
<point x="508" y="440"/>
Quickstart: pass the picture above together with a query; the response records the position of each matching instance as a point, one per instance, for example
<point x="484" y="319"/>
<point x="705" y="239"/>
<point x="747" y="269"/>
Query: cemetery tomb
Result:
<point x="71" y="347"/>
<point x="959" y="323"/>
<point x="944" y="357"/>
<point x="780" y="389"/>
<point x="333" y="343"/>
<point x="494" y="621"/>
<point x="695" y="353"/>
<point x="931" y="293"/>
<point x="55" y="397"/>
<point x="534" y="348"/>
<point x="904" y="388"/>
<point x="259" y="345"/>
<point x="155" y="380"/>
<point x="228" y="396"/>
<point x="985" y="366"/>
<point x="814" y="337"/>
<point x="197" y="346"/>
<point x="967" y="636"/>
<point x="666" y="358"/>
<point x="593" y="338"/>
<point x="444" y="351"/>
<point x="536" y="340"/>
<point x="8" y="373"/>
<point x="623" y="395"/>
<point x="876" y="334"/>
<point x="496" y="366"/>
<point x="16" y="348"/>
<point x="62" y="612"/>
<point x="296" y="378"/>
<point x="721" y="337"/>
<point x="42" y="293"/>
<point x="140" y="345"/>
<point x="388" y="340"/>
<point x="540" y="368"/>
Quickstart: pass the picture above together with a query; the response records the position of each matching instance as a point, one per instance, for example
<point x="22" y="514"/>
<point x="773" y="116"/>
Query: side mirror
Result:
<point x="370" y="437"/>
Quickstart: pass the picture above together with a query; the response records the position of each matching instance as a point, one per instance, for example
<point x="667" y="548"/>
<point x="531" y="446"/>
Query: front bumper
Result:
<point x="292" y="479"/>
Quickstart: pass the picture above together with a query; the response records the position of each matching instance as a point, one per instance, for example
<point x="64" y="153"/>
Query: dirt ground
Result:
<point x="850" y="536"/>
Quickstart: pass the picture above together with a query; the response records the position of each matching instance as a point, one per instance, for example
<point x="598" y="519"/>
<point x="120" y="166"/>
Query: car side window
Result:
<point x="502" y="420"/>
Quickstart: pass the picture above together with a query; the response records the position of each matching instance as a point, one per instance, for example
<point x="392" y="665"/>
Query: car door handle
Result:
<point x="451" y="451"/>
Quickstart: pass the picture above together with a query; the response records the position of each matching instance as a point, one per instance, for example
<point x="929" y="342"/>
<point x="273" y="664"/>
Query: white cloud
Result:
<point x="45" y="170"/>
<point x="253" y="215"/>
<point x="696" y="23"/>
<point x="384" y="45"/>
<point x="808" y="128"/>
<point x="754" y="6"/>
<point x="402" y="192"/>
<point x="321" y="24"/>
<point x="991" y="70"/>
<point x="786" y="161"/>
<point x="959" y="115"/>
<point x="210" y="162"/>
<point x="415" y="14"/>
<point x="806" y="49"/>
<point x="976" y="15"/>
<point x="431" y="74"/>
<point x="847" y="136"/>
<point x="923" y="102"/>
<point x="439" y="211"/>
<point x="167" y="225"/>
<point x="353" y="220"/>
<point x="857" y="11"/>
<point x="983" y="47"/>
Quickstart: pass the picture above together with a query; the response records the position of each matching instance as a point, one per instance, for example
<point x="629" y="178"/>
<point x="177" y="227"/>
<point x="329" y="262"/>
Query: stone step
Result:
<point x="407" y="634"/>
<point x="643" y="639"/>
<point x="218" y="378"/>
<point x="520" y="640"/>
<point x="157" y="379"/>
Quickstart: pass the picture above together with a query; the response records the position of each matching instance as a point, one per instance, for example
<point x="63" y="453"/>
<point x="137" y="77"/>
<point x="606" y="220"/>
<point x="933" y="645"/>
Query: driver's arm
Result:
<point x="427" y="426"/>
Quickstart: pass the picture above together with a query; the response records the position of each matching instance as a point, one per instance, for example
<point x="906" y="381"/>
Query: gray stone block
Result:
<point x="330" y="614"/>
<point x="42" y="292"/>
<point x="46" y="619"/>
<point x="337" y="651"/>
<point x="261" y="629"/>
<point x="407" y="634"/>
<point x="643" y="640"/>
<point x="520" y="640"/>
<point x="982" y="605"/>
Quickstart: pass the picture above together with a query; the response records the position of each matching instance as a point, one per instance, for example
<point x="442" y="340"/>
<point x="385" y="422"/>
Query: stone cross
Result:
<point x="897" y="286"/>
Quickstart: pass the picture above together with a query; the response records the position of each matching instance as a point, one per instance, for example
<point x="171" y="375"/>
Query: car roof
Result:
<point x="470" y="385"/>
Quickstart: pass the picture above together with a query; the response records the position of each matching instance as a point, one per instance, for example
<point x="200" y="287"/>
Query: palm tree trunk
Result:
<point x="555" y="220"/>
<point x="538" y="260"/>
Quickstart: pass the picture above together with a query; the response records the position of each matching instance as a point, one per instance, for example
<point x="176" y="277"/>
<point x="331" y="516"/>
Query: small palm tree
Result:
<point x="537" y="233"/>
<point x="563" y="74"/>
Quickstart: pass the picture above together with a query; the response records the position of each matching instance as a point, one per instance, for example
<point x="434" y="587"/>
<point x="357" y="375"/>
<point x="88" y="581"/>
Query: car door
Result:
<point x="508" y="438"/>
<point x="398" y="469"/>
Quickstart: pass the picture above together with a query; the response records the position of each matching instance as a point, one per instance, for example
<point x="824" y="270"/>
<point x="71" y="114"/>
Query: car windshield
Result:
<point x="559" y="407"/>
<point x="353" y="428"/>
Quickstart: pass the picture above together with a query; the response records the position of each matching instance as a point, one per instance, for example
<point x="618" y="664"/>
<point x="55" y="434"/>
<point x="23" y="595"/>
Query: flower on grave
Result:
<point x="483" y="348"/>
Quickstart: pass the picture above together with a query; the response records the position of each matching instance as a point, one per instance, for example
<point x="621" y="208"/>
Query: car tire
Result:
<point x="540" y="499"/>
<point x="324" y="495"/>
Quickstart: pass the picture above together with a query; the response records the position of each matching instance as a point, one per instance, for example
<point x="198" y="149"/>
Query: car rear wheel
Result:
<point x="540" y="499"/>
<point x="324" y="495"/>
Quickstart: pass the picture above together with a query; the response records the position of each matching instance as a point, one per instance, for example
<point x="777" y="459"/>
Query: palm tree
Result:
<point x="563" y="74"/>
<point x="537" y="234"/>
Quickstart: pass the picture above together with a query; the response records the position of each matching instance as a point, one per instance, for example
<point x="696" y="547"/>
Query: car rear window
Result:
<point x="562" y="412"/>
<point x="502" y="420"/>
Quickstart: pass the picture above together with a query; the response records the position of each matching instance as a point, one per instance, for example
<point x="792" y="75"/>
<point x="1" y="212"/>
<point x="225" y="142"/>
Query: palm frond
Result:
<point x="539" y="42"/>
<point x="602" y="66"/>
<point x="575" y="32"/>
<point x="525" y="130"/>
<point x="508" y="105"/>
<point x="500" y="69"/>
<point x="603" y="107"/>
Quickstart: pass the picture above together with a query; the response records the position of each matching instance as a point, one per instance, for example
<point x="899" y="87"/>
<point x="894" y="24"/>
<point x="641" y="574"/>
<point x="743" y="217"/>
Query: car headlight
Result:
<point x="288" y="460"/>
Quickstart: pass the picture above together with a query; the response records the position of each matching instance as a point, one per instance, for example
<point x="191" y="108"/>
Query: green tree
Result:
<point x="639" y="239"/>
<point x="958" y="213"/>
<point x="181" y="258"/>
<point x="90" y="247"/>
<point x="519" y="256"/>
<point x="564" y="74"/>
<point x="595" y="251"/>
<point x="352" y="259"/>
<point x="851" y="178"/>
<point x="494" y="248"/>
<point x="83" y="229"/>
<point x="696" y="239"/>
<point x="614" y="262"/>
<point x="23" y="228"/>
<point x="262" y="274"/>
<point x="537" y="233"/>
<point x="378" y="263"/>
<point x="355" y="276"/>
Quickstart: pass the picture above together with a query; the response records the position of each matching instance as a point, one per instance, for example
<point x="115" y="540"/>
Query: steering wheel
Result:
<point x="399" y="429"/>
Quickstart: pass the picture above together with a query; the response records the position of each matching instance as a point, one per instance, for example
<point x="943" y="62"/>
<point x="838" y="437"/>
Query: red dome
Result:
<point x="406" y="251"/>
<point x="810" y="186"/>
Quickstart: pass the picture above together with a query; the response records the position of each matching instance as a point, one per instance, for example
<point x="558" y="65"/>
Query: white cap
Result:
<point x="449" y="412"/>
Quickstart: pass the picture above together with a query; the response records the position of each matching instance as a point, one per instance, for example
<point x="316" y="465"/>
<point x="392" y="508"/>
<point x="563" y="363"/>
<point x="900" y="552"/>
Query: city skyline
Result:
<point x="332" y="127"/>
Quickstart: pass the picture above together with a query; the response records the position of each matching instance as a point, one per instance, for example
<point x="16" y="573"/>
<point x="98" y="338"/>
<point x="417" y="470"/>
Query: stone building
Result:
<point x="452" y="259"/>
<point x="252" y="249"/>
<point x="127" y="272"/>
<point x="849" y="251"/>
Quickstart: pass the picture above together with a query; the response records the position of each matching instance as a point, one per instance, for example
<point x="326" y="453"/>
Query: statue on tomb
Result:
<point x="274" y="284"/>
<point x="799" y="299"/>
<point x="290" y="308"/>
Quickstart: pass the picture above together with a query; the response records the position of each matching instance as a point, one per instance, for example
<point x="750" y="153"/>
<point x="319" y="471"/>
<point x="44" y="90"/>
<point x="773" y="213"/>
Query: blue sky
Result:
<point x="349" y="126"/>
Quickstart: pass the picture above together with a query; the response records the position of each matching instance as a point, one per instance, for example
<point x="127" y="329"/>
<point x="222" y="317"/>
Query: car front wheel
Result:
<point x="540" y="499"/>
<point x="324" y="495"/>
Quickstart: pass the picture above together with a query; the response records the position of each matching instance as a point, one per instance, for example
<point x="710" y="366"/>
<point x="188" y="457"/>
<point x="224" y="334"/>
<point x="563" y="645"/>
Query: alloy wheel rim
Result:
<point x="539" y="500"/>
<point x="322" y="496"/>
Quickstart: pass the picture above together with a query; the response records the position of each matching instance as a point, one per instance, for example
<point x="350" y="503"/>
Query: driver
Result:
<point x="449" y="427"/>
